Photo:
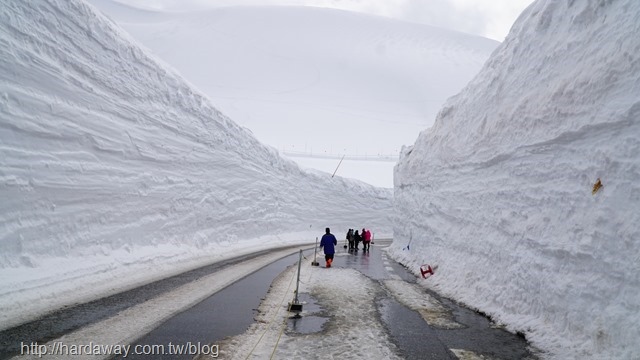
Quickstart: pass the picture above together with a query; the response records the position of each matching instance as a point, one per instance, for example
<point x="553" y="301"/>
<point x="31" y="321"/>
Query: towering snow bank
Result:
<point x="330" y="81"/>
<point x="498" y="193"/>
<point x="112" y="164"/>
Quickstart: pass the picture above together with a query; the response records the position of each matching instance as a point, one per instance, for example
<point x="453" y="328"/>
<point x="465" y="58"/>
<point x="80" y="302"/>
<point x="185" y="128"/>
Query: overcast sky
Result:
<point x="489" y="18"/>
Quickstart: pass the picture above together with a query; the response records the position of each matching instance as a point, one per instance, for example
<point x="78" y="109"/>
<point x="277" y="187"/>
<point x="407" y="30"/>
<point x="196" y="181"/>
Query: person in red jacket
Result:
<point x="366" y="239"/>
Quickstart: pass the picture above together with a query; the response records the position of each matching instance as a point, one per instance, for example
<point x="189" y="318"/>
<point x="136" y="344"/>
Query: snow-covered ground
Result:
<point x="345" y="298"/>
<point x="498" y="193"/>
<point x="115" y="171"/>
<point x="362" y="336"/>
<point x="314" y="80"/>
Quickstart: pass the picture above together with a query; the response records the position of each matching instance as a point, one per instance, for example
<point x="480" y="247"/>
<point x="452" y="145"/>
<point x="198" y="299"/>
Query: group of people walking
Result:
<point x="355" y="238"/>
<point x="329" y="242"/>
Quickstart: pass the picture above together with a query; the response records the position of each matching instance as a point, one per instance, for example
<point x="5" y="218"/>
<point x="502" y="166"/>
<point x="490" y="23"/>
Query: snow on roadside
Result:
<point x="347" y="298"/>
<point x="414" y="297"/>
<point x="144" y="317"/>
<point x="67" y="282"/>
<point x="353" y="327"/>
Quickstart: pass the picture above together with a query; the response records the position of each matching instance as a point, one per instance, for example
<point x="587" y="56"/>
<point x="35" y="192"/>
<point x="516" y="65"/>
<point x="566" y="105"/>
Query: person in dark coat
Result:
<point x="328" y="243"/>
<point x="350" y="238"/>
<point x="356" y="239"/>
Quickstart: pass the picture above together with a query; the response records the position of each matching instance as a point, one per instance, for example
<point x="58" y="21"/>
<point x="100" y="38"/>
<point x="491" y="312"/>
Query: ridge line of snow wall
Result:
<point x="113" y="169"/>
<point x="498" y="193"/>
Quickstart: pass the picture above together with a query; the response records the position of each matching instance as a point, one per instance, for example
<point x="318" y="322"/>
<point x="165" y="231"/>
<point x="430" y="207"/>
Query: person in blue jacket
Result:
<point x="328" y="243"/>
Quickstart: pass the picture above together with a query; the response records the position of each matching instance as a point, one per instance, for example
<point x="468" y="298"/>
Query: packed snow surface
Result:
<point x="498" y="193"/>
<point x="345" y="298"/>
<point x="115" y="171"/>
<point x="314" y="80"/>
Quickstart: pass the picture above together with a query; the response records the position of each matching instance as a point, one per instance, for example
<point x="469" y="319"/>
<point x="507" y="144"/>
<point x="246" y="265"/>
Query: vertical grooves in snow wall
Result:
<point x="498" y="193"/>
<point x="113" y="169"/>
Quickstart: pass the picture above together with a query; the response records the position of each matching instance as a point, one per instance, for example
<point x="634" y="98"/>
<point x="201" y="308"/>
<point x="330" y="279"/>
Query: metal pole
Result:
<point x="334" y="173"/>
<point x="315" y="252"/>
<point x="295" y="301"/>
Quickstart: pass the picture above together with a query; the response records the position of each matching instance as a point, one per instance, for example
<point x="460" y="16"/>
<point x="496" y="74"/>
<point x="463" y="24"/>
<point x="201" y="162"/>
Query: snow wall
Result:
<point x="498" y="193"/>
<point x="115" y="171"/>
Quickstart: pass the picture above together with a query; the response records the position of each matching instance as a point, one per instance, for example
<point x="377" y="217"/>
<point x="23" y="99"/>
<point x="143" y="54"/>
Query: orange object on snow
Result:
<point x="596" y="187"/>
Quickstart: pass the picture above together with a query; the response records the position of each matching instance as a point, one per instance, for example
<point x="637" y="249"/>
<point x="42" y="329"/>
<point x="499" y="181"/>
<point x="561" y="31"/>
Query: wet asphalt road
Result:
<point x="70" y="318"/>
<point x="413" y="336"/>
<point x="230" y="311"/>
